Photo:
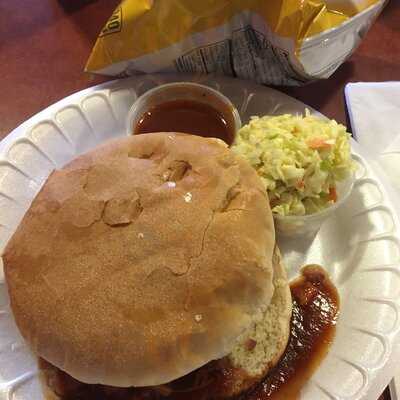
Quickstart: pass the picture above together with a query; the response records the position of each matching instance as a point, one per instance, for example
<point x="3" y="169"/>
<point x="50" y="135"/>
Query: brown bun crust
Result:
<point x="118" y="277"/>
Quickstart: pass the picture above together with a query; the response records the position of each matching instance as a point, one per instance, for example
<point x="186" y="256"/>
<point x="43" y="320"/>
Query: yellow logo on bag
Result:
<point x="114" y="24"/>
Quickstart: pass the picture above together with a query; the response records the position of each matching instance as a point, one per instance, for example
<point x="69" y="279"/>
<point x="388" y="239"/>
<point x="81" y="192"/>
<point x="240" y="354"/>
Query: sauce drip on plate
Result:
<point x="186" y="116"/>
<point x="315" y="310"/>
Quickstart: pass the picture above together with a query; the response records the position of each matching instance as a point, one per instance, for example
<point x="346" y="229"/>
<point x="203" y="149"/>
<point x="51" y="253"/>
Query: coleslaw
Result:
<point x="299" y="158"/>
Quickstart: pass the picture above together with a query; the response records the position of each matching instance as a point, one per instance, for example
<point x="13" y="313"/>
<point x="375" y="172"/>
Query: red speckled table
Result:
<point x="44" y="45"/>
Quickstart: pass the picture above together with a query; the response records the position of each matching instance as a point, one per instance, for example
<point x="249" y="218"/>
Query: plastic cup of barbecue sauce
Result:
<point x="184" y="107"/>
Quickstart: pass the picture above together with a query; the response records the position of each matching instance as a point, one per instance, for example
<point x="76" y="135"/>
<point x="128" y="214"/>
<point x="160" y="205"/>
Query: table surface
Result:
<point x="44" y="45"/>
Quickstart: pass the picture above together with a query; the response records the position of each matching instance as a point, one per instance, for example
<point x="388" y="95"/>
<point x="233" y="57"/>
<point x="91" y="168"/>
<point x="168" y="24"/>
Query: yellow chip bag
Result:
<point x="279" y="42"/>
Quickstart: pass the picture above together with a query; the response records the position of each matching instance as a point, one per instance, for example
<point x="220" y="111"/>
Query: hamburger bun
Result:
<point x="255" y="353"/>
<point x="259" y="349"/>
<point x="143" y="260"/>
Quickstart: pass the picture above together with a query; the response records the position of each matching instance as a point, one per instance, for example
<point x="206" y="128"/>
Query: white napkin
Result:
<point x="374" y="112"/>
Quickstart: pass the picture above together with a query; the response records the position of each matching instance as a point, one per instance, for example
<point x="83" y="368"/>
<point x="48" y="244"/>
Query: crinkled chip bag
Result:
<point x="278" y="42"/>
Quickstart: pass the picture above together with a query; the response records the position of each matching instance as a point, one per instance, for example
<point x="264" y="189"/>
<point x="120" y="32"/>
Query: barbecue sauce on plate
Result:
<point x="186" y="116"/>
<point x="315" y="310"/>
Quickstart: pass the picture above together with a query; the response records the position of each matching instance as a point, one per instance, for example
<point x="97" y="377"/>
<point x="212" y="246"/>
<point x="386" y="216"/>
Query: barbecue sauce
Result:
<point x="314" y="315"/>
<point x="315" y="310"/>
<point x="186" y="116"/>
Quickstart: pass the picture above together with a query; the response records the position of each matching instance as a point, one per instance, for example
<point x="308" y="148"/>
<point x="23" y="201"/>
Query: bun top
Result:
<point x="142" y="260"/>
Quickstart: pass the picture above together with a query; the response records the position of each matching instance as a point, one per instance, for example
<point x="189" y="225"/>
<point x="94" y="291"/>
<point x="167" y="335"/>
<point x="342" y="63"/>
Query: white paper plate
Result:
<point x="360" y="247"/>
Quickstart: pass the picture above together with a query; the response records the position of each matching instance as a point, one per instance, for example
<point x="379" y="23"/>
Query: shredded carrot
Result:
<point x="318" y="143"/>
<point x="333" y="194"/>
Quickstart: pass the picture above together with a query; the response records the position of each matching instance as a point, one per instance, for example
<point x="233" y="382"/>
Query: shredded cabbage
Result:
<point x="299" y="158"/>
